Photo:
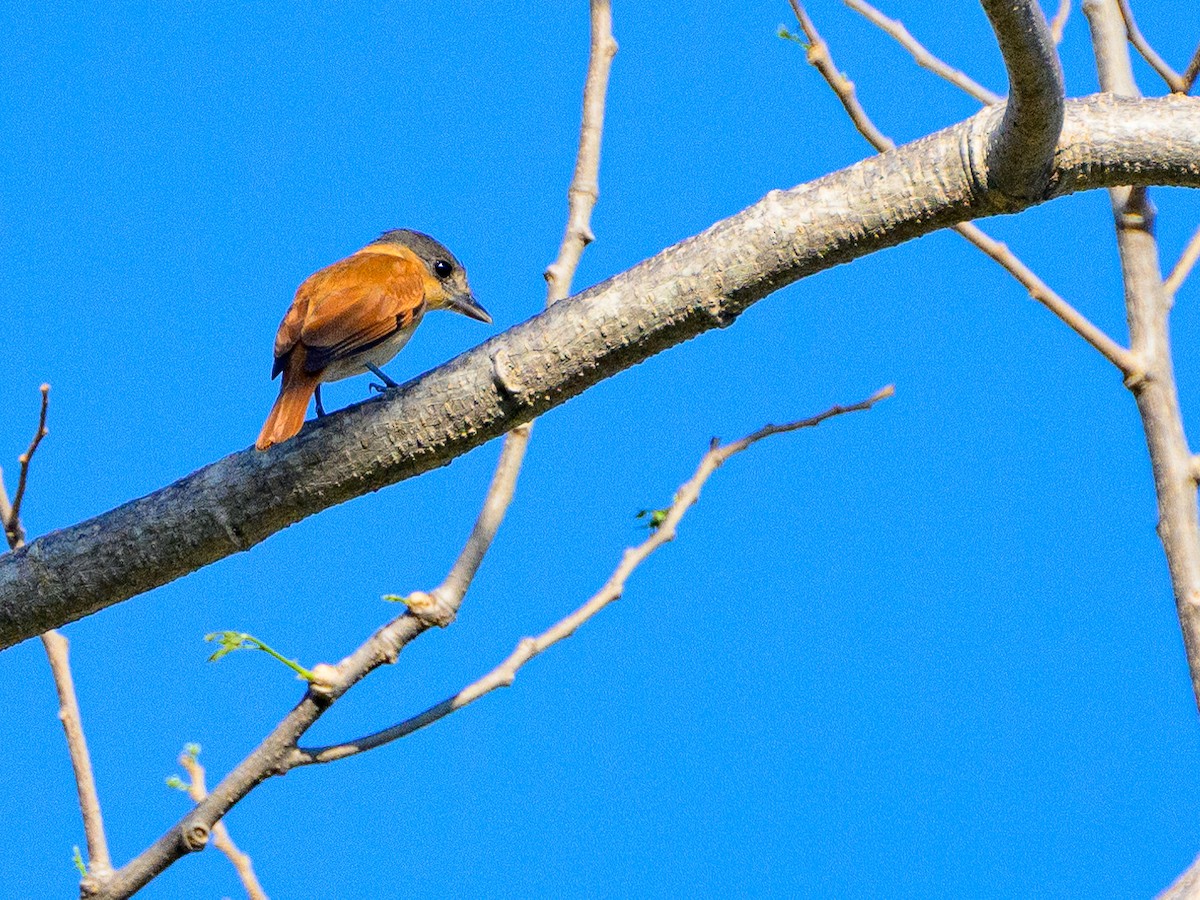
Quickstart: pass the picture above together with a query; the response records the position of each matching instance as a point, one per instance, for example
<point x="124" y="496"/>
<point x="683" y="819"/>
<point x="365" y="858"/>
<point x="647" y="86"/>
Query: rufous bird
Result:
<point x="355" y="315"/>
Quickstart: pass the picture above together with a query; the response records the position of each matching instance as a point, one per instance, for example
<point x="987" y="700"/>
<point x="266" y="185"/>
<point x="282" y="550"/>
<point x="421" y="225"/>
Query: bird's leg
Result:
<point x="320" y="408"/>
<point x="382" y="376"/>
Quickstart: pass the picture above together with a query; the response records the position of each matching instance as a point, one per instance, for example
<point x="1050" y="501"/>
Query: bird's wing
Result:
<point x="289" y="332"/>
<point x="353" y="305"/>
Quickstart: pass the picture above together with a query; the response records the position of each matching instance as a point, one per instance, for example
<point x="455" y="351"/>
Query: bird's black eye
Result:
<point x="442" y="269"/>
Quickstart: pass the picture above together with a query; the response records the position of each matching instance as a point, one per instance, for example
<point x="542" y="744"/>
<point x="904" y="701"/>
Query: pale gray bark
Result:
<point x="702" y="283"/>
<point x="1020" y="153"/>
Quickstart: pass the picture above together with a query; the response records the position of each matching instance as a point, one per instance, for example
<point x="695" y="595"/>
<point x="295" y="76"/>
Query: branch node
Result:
<point x="326" y="681"/>
<point x="430" y="608"/>
<point x="505" y="373"/>
<point x="719" y="313"/>
<point x="194" y="834"/>
<point x="527" y="649"/>
<point x="1138" y="378"/>
<point x="92" y="885"/>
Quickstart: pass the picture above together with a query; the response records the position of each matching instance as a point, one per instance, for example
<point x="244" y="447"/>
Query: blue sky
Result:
<point x="926" y="650"/>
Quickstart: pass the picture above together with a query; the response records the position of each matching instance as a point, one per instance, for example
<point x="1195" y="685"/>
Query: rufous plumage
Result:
<point x="355" y="315"/>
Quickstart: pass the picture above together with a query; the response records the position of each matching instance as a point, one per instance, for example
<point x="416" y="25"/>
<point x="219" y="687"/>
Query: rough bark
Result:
<point x="702" y="283"/>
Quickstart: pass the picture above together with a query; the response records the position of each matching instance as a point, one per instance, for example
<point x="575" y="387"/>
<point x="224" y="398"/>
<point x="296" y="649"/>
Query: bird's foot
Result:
<point x="382" y="376"/>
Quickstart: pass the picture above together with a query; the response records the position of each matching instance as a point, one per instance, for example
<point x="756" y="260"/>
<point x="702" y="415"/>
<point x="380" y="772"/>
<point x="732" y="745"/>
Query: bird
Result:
<point x="355" y="315"/>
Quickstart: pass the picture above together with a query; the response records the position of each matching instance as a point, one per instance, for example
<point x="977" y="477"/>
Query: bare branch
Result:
<point x="821" y="58"/>
<point x="58" y="652"/>
<point x="1059" y="23"/>
<point x="1192" y="70"/>
<point x="1148" y="306"/>
<point x="15" y="538"/>
<point x="13" y="529"/>
<point x="923" y="57"/>
<point x="1020" y="152"/>
<point x="220" y="833"/>
<point x="1183" y="266"/>
<point x="1174" y="80"/>
<point x="585" y="184"/>
<point x="1125" y="360"/>
<point x="440" y="605"/>
<point x="99" y="863"/>
<point x="1186" y="886"/>
<point x="504" y="674"/>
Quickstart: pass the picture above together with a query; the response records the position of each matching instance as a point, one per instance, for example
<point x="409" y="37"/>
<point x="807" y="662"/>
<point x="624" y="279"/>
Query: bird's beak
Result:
<point x="467" y="305"/>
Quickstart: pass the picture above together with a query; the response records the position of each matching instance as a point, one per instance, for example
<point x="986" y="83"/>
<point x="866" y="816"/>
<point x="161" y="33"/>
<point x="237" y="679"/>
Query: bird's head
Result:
<point x="446" y="284"/>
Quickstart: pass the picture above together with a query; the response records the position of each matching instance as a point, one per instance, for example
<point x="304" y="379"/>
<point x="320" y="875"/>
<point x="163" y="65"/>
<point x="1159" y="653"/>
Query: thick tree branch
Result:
<point x="702" y="283"/>
<point x="1021" y="151"/>
<point x="276" y="754"/>
<point x="821" y="59"/>
<point x="1186" y="886"/>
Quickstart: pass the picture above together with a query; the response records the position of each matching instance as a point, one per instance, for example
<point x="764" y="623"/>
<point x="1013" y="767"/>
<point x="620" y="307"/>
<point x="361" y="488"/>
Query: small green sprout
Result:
<point x="654" y="517"/>
<point x="789" y="36"/>
<point x="229" y="641"/>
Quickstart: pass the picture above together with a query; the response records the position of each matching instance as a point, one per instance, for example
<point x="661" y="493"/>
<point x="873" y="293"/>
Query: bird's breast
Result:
<point x="378" y="355"/>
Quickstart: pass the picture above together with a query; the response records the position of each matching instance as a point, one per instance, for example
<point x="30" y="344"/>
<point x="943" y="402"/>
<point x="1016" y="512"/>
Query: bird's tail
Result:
<point x="291" y="406"/>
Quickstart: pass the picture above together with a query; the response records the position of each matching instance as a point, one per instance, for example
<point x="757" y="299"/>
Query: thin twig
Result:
<point x="923" y="57"/>
<point x="1174" y="80"/>
<point x="505" y="673"/>
<point x="440" y="605"/>
<point x="14" y="539"/>
<point x="274" y="756"/>
<point x="820" y="57"/>
<point x="585" y="183"/>
<point x="443" y="601"/>
<point x="220" y="833"/>
<point x="1192" y="70"/>
<point x="1183" y="266"/>
<point x="1127" y="362"/>
<point x="99" y="863"/>
<point x="12" y="511"/>
<point x="1059" y="23"/>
